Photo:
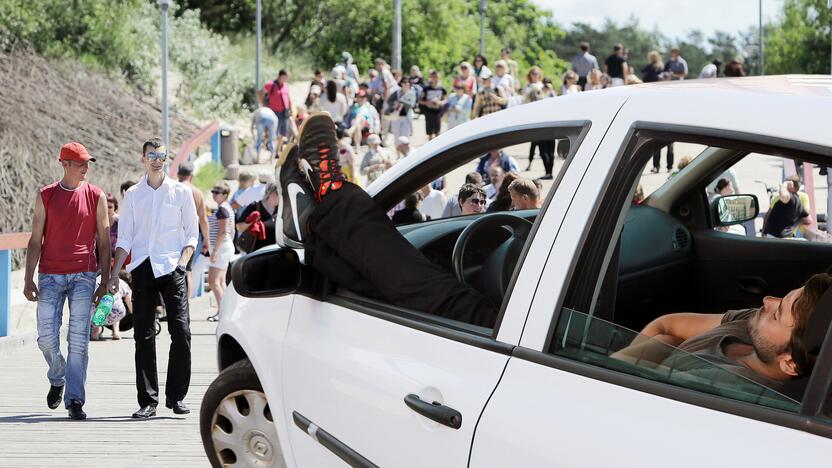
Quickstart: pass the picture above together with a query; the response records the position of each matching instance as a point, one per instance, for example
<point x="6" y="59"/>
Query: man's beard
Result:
<point x="766" y="350"/>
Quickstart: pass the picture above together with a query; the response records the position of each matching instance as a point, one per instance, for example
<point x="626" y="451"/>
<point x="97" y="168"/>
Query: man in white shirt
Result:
<point x="158" y="227"/>
<point x="433" y="202"/>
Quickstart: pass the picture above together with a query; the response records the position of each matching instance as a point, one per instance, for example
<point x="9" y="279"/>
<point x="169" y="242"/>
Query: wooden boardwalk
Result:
<point x="33" y="435"/>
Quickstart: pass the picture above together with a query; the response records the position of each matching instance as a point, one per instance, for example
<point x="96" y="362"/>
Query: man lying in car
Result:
<point x="771" y="345"/>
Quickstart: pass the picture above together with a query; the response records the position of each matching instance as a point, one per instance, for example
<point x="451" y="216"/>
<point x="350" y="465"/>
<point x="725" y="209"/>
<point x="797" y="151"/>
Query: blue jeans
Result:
<point x="53" y="290"/>
<point x="264" y="124"/>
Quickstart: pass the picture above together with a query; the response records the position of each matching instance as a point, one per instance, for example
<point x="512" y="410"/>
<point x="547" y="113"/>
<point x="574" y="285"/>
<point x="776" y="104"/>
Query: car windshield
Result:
<point x="601" y="343"/>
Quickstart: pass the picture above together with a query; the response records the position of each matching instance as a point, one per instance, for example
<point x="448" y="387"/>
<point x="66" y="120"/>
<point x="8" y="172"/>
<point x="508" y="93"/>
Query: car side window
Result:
<point x="481" y="184"/>
<point x="637" y="273"/>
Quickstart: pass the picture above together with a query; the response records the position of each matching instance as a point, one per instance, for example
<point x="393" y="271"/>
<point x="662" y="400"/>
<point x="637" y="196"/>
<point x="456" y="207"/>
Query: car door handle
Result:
<point x="753" y="285"/>
<point x="435" y="411"/>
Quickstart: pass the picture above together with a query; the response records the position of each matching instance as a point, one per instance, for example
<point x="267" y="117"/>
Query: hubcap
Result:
<point x="243" y="432"/>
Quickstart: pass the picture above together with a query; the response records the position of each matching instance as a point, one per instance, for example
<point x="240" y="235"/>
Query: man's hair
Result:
<point x="795" y="179"/>
<point x="683" y="163"/>
<point x="245" y="176"/>
<point x="802" y="309"/>
<point x="721" y="184"/>
<point x="412" y="200"/>
<point x="126" y="185"/>
<point x="584" y="46"/>
<point x="473" y="178"/>
<point x="523" y="186"/>
<point x="318" y="72"/>
<point x="617" y="47"/>
<point x="675" y="49"/>
<point x="186" y="169"/>
<point x="505" y="50"/>
<point x="151" y="143"/>
<point x="282" y="72"/>
<point x="467" y="191"/>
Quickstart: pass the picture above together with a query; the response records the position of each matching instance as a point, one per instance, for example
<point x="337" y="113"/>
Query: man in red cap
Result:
<point x="70" y="219"/>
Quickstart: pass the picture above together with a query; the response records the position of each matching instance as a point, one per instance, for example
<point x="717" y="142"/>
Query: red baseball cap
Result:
<point x="74" y="151"/>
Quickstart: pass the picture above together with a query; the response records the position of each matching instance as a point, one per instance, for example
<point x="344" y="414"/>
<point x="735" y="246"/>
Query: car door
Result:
<point x="362" y="379"/>
<point x="565" y="401"/>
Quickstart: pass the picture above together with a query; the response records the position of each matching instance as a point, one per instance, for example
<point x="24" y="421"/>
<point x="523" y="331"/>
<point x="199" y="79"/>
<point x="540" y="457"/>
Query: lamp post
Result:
<point x="164" y="5"/>
<point x="760" y="40"/>
<point x="397" y="34"/>
<point x="259" y="41"/>
<point x="483" y="4"/>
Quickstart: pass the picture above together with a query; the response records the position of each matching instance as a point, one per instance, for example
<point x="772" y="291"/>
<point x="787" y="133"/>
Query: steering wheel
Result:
<point x="493" y="276"/>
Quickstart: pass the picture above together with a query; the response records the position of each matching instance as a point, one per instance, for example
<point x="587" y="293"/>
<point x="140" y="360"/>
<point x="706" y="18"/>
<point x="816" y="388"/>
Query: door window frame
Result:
<point x="596" y="248"/>
<point x="441" y="163"/>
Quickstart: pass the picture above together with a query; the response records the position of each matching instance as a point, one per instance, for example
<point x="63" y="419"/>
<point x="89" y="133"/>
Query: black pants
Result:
<point x="353" y="243"/>
<point x="658" y="155"/>
<point x="582" y="82"/>
<point x="547" y="154"/>
<point x="174" y="292"/>
<point x="532" y="146"/>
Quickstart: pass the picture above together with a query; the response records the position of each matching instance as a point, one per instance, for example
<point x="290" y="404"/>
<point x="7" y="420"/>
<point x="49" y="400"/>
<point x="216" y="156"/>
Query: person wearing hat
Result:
<point x="67" y="270"/>
<point x="489" y="99"/>
<point x="403" y="146"/>
<point x="185" y="175"/>
<point x="158" y="228"/>
<point x="376" y="160"/>
<point x="774" y="344"/>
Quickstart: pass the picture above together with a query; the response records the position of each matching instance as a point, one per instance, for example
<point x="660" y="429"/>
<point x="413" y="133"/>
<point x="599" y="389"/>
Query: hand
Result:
<point x="204" y="250"/>
<point x="112" y="285"/>
<point x="99" y="293"/>
<point x="31" y="291"/>
<point x="214" y="257"/>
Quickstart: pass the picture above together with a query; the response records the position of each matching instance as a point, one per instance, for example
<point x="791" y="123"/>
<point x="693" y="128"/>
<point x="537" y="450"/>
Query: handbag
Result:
<point x="245" y="242"/>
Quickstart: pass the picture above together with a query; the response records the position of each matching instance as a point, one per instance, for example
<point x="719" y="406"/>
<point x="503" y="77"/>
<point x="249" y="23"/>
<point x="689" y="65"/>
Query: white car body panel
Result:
<point x="544" y="417"/>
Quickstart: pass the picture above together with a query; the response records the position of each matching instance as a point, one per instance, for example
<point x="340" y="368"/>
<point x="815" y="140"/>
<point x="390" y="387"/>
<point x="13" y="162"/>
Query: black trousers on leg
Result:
<point x="657" y="156"/>
<point x="354" y="244"/>
<point x="174" y="290"/>
<point x="547" y="154"/>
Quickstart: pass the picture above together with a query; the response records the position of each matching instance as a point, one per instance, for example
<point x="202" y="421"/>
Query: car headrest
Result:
<point x="818" y="324"/>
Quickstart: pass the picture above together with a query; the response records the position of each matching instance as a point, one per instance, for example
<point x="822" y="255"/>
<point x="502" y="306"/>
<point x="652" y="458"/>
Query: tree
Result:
<point x="799" y="42"/>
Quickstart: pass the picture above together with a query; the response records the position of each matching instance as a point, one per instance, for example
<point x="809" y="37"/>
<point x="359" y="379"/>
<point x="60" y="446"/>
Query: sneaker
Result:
<point x="53" y="398"/>
<point x="296" y="200"/>
<point x="318" y="154"/>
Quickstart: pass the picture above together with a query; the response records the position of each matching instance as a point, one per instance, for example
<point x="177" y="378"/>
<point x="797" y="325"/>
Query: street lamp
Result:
<point x="760" y="40"/>
<point x="257" y="53"/>
<point x="483" y="4"/>
<point x="397" y="34"/>
<point x="164" y="5"/>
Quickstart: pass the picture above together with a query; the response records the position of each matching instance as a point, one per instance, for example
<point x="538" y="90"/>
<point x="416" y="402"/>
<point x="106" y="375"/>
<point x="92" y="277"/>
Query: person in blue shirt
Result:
<point x="496" y="157"/>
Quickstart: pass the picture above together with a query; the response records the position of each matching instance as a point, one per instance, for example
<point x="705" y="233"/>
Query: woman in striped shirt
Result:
<point x="221" y="233"/>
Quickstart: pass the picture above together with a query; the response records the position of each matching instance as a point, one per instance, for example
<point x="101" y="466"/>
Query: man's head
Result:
<point x="474" y="178"/>
<point x="403" y="145"/>
<point x="778" y="329"/>
<point x="471" y="199"/>
<point x="380" y="64"/>
<point x="185" y="172"/>
<point x="319" y="74"/>
<point x="524" y="194"/>
<point x="500" y="68"/>
<point x="495" y="175"/>
<point x="505" y="53"/>
<point x="584" y="46"/>
<point x="674" y="53"/>
<point x="794" y="186"/>
<point x="433" y="76"/>
<point x="282" y="76"/>
<point x="125" y="186"/>
<point x="361" y="97"/>
<point x="246" y="179"/>
<point x="618" y="49"/>
<point x="75" y="160"/>
<point x="154" y="155"/>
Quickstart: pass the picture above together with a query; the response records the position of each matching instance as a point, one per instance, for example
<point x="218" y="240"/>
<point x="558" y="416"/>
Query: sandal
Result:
<point x="214" y="318"/>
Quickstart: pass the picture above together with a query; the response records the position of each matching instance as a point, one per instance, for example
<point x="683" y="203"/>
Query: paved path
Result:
<point x="33" y="435"/>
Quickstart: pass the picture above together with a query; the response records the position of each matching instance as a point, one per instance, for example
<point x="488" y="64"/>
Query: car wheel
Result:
<point x="236" y="423"/>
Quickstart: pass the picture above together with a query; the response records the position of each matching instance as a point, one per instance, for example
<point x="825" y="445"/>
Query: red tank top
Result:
<point x="70" y="231"/>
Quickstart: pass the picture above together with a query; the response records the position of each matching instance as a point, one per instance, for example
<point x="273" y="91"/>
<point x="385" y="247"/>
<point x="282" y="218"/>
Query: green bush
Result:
<point x="208" y="175"/>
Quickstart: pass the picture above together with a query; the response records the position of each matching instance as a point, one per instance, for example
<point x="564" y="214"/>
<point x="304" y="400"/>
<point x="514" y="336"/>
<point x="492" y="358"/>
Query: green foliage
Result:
<point x="207" y="176"/>
<point x="799" y="42"/>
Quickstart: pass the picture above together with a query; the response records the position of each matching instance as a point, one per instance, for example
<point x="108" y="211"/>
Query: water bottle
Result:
<point x="105" y="305"/>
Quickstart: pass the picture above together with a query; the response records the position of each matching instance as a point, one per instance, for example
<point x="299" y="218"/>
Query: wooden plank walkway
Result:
<point x="33" y="435"/>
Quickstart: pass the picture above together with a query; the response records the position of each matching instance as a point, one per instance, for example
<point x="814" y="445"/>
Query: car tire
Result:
<point x="235" y="421"/>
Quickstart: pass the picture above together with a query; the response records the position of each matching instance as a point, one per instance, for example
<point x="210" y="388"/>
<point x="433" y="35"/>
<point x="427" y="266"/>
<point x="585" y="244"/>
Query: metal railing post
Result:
<point x="5" y="292"/>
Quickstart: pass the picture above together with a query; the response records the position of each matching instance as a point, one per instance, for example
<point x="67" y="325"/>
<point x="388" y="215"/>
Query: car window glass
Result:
<point x="763" y="176"/>
<point x="528" y="161"/>
<point x="604" y="344"/>
<point x="664" y="164"/>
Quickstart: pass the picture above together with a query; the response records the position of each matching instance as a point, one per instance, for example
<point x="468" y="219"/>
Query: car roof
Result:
<point x="802" y="85"/>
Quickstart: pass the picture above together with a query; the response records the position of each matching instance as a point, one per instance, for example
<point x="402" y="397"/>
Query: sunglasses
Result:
<point x="476" y="201"/>
<point x="154" y="156"/>
<point x="218" y="192"/>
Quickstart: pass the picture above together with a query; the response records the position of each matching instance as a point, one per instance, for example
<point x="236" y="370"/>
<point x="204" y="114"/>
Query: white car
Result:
<point x="313" y="375"/>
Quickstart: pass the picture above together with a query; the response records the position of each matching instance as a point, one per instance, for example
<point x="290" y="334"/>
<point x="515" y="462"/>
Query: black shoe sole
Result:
<point x="143" y="416"/>
<point x="78" y="417"/>
<point x="57" y="402"/>
<point x="176" y="410"/>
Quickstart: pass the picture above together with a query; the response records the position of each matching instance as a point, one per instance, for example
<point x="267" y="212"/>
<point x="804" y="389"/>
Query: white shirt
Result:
<point x="434" y="204"/>
<point x="250" y="195"/>
<point x="506" y="82"/>
<point x="157" y="224"/>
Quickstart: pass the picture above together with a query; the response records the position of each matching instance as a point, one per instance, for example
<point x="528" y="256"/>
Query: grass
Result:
<point x="207" y="176"/>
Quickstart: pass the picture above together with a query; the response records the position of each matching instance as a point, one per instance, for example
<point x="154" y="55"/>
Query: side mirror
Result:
<point x="267" y="273"/>
<point x="735" y="209"/>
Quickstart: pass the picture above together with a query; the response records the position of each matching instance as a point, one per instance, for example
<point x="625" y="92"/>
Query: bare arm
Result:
<point x="682" y="325"/>
<point x="202" y="215"/>
<point x="104" y="247"/>
<point x="785" y="194"/>
<point x="33" y="250"/>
